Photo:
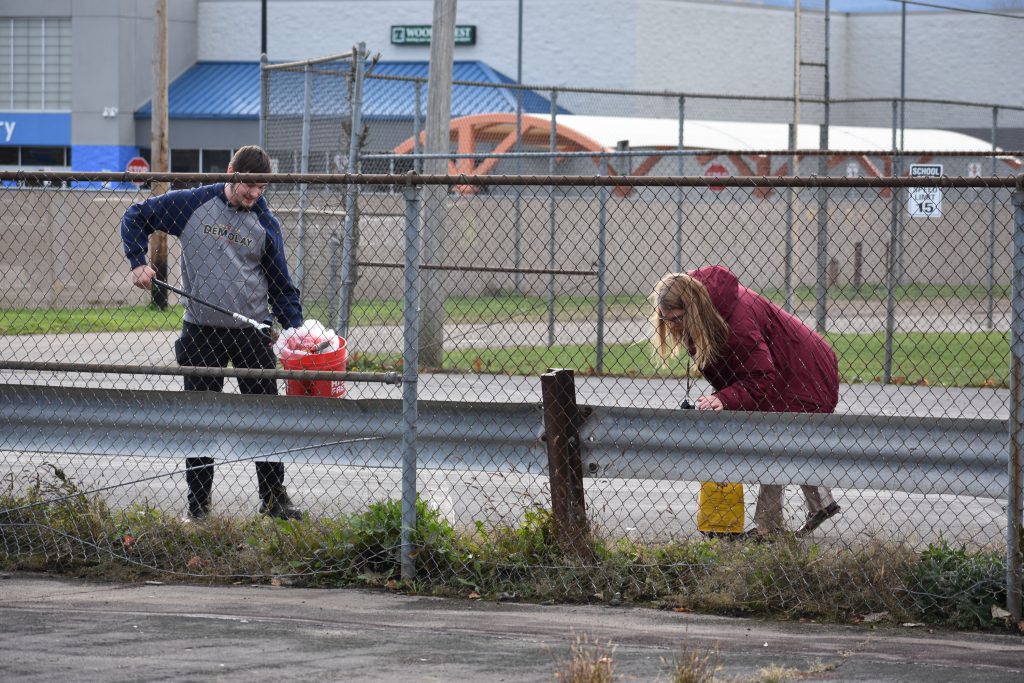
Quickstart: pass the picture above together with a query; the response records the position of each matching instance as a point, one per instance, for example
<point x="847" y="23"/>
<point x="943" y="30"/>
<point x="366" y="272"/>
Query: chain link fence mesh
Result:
<point x="910" y="285"/>
<point x="562" y="282"/>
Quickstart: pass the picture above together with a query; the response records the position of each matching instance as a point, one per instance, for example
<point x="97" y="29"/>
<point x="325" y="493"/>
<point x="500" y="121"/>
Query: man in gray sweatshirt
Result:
<point x="232" y="255"/>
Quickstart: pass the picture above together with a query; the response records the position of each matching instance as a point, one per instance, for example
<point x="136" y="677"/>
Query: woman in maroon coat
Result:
<point x="756" y="357"/>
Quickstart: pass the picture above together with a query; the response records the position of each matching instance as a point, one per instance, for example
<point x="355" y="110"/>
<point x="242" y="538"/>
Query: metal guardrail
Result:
<point x="914" y="455"/>
<point x="918" y="455"/>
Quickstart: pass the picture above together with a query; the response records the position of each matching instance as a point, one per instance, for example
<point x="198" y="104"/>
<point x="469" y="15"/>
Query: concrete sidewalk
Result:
<point x="66" y="629"/>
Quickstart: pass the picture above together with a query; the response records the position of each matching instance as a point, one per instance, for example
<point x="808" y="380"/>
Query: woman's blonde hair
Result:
<point x="704" y="330"/>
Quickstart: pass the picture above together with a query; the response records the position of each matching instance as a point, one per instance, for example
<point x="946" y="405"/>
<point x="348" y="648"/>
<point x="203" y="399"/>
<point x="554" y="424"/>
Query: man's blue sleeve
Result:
<point x="285" y="301"/>
<point x="167" y="213"/>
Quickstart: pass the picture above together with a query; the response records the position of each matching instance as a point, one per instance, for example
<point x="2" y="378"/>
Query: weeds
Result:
<point x="587" y="662"/>
<point x="695" y="665"/>
<point x="52" y="525"/>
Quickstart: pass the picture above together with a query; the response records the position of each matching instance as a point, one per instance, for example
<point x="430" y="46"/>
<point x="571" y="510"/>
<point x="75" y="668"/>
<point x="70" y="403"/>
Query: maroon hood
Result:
<point x="722" y="286"/>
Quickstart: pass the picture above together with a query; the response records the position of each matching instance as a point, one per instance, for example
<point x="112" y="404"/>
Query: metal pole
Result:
<point x="991" y="276"/>
<point x="410" y="371"/>
<point x="263" y="27"/>
<point x="417" y="148"/>
<point x="517" y="235"/>
<point x="552" y="228"/>
<point x="903" y="70"/>
<point x="304" y="168"/>
<point x="895" y="207"/>
<point x="680" y="193"/>
<point x="790" y="200"/>
<point x="821" y="307"/>
<point x="898" y="244"/>
<point x="791" y="192"/>
<point x="348" y="244"/>
<point x="1014" y="494"/>
<point x="264" y="100"/>
<point x="517" y="228"/>
<point x="602" y="220"/>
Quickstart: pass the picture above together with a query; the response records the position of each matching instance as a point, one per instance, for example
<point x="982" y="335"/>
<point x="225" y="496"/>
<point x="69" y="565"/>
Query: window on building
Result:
<point x="43" y="156"/>
<point x="34" y="158"/>
<point x="194" y="160"/>
<point x="35" y="63"/>
<point x="184" y="161"/>
<point x="216" y="160"/>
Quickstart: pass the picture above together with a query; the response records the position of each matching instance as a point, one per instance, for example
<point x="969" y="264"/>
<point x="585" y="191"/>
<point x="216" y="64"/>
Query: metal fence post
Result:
<point x="565" y="465"/>
<point x="264" y="99"/>
<point x="552" y="226"/>
<point x="410" y="372"/>
<point x="680" y="191"/>
<point x="1014" y="494"/>
<point x="300" y="273"/>
<point x="821" y="293"/>
<point x="351" y="196"/>
<point x="790" y="201"/>
<point x="891" y="266"/>
<point x="602" y="227"/>
<point x="990" y="279"/>
<point x="417" y="147"/>
<point x="517" y="249"/>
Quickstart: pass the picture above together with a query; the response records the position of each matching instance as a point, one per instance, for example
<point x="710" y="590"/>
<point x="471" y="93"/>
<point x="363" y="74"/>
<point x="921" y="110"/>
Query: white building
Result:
<point x="75" y="73"/>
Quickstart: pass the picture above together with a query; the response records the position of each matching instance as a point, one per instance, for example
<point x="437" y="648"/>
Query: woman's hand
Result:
<point x="709" y="403"/>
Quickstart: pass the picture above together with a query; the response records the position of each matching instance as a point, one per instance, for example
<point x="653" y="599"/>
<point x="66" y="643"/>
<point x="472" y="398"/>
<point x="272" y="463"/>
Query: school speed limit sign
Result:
<point x="925" y="202"/>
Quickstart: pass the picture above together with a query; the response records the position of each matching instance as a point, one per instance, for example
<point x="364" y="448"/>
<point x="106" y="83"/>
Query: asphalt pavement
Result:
<point x="59" y="629"/>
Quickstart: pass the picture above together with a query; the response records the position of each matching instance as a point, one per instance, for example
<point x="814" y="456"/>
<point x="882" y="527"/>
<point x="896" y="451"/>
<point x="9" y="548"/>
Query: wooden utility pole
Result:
<point x="439" y="113"/>
<point x="158" y="143"/>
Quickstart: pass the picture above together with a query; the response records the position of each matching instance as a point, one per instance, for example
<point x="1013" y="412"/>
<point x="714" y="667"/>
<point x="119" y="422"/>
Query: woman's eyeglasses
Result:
<point x="672" y="319"/>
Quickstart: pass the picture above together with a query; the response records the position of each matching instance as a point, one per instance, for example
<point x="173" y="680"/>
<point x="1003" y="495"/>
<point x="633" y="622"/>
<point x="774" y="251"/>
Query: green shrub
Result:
<point x="958" y="587"/>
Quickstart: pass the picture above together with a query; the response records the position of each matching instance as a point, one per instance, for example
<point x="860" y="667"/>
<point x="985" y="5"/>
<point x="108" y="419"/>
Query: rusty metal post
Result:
<point x="565" y="465"/>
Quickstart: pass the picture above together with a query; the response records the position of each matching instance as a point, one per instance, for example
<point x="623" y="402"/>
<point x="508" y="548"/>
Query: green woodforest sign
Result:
<point x="419" y="34"/>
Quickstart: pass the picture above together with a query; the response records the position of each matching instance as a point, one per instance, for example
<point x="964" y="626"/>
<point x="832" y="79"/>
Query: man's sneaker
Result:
<point x="816" y="519"/>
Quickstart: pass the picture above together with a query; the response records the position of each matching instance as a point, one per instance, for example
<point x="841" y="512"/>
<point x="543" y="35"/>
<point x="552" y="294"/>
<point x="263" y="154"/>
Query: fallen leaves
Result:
<point x="195" y="563"/>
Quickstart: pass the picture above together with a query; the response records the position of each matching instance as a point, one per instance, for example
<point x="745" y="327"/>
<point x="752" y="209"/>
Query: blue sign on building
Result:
<point x="44" y="128"/>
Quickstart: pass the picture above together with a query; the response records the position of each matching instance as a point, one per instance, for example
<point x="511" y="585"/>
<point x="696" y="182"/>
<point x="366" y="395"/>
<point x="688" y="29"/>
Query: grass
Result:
<point x="955" y="359"/>
<point x="81" y="320"/>
<point x="459" y="310"/>
<point x="146" y="317"/>
<point x="960" y="359"/>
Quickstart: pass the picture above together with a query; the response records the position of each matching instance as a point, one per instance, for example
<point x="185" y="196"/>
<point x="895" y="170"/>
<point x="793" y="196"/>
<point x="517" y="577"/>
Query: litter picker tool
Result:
<point x="686" y="405"/>
<point x="262" y="327"/>
<point x="720" y="511"/>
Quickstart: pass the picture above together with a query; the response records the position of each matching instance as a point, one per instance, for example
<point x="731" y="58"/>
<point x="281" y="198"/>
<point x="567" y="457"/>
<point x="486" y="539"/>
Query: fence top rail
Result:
<point x="1008" y="155"/>
<point x="412" y="179"/>
<point x="286" y="66"/>
<point x="699" y="96"/>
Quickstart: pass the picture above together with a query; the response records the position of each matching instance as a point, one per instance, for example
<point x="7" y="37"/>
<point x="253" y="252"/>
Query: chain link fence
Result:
<point x="917" y="305"/>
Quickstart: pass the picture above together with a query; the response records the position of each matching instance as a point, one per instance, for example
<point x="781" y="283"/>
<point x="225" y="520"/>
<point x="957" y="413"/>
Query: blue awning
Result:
<point x="231" y="90"/>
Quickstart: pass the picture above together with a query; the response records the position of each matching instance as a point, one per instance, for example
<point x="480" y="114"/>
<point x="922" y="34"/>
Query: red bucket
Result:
<point x="331" y="360"/>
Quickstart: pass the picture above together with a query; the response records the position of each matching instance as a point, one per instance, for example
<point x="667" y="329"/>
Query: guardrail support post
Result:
<point x="565" y="465"/>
